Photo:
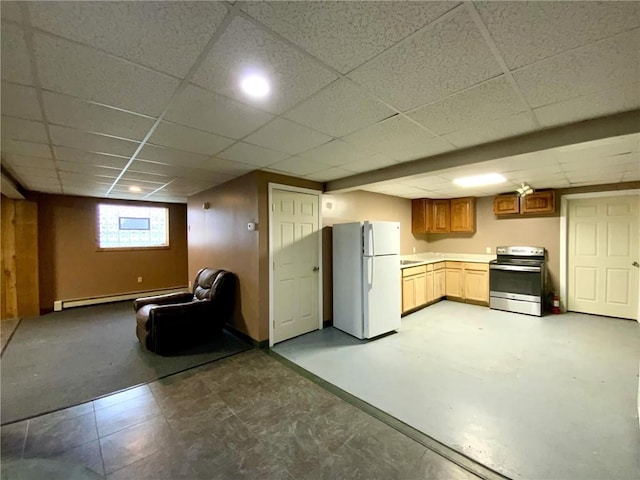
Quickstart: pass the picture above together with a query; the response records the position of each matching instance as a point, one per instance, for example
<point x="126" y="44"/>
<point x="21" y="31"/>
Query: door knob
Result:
<point x="636" y="264"/>
<point x="315" y="269"/>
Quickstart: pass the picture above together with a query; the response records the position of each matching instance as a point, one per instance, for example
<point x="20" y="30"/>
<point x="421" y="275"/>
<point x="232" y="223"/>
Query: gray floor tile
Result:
<point x="46" y="437"/>
<point x="12" y="439"/>
<point x="132" y="444"/>
<point x="86" y="456"/>
<point x="125" y="414"/>
<point x="161" y="465"/>
<point x="40" y="468"/>
<point x="432" y="466"/>
<point x="123" y="396"/>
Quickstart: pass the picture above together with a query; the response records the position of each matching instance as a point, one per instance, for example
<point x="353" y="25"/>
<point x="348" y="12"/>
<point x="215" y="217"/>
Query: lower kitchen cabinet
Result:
<point x="430" y="292"/>
<point x="414" y="287"/>
<point x="439" y="280"/>
<point x="454" y="282"/>
<point x="476" y="282"/>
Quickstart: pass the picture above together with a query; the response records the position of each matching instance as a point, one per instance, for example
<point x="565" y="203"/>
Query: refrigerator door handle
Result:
<point x="370" y="271"/>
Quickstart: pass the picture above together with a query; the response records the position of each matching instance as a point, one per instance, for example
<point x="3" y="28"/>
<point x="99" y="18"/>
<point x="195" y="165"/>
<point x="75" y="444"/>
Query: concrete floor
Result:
<point x="537" y="398"/>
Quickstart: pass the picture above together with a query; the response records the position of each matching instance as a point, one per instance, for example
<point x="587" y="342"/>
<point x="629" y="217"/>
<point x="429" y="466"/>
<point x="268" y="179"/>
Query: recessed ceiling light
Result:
<point x="255" y="86"/>
<point x="480" y="180"/>
<point x="135" y="189"/>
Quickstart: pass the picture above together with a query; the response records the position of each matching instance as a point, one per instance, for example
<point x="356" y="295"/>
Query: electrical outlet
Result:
<point x="488" y="249"/>
<point x="414" y="249"/>
<point x="139" y="279"/>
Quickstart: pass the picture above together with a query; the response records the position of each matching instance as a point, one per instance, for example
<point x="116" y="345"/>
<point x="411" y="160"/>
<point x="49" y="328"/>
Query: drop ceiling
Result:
<point x="98" y="97"/>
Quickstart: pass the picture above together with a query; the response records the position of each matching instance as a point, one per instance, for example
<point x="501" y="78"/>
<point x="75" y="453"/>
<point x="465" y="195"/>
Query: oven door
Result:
<point x="516" y="282"/>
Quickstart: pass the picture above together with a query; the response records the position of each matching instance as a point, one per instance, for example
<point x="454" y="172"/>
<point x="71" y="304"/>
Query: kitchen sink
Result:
<point x="410" y="262"/>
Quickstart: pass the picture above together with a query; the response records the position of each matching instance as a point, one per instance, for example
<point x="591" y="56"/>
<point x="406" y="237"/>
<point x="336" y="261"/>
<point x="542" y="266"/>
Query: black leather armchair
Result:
<point x="173" y="322"/>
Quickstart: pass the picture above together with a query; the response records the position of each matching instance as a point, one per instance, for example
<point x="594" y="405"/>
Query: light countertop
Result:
<point x="434" y="257"/>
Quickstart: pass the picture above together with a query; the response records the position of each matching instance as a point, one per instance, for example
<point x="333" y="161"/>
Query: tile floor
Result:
<point x="533" y="398"/>
<point x="247" y="416"/>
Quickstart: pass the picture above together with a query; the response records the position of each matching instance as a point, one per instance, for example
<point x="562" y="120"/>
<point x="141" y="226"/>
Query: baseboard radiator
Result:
<point x="83" y="302"/>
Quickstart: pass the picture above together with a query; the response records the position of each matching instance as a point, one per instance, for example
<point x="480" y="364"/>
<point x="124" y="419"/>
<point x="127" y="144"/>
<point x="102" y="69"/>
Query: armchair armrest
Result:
<point x="169" y="298"/>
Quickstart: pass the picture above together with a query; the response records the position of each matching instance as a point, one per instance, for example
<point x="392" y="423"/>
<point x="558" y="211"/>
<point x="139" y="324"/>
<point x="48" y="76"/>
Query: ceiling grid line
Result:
<point x="183" y="83"/>
<point x="28" y="38"/>
<point x="486" y="35"/>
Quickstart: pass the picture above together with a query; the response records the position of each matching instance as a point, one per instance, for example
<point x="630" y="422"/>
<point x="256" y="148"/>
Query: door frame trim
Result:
<point x="564" y="225"/>
<point x="290" y="188"/>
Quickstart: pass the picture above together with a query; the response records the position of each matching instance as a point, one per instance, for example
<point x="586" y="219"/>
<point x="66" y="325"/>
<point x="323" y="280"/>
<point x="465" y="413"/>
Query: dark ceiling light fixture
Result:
<point x="525" y="189"/>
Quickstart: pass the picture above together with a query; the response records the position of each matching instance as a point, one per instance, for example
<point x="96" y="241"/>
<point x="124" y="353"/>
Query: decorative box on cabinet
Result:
<point x="506" y="204"/>
<point x="539" y="202"/>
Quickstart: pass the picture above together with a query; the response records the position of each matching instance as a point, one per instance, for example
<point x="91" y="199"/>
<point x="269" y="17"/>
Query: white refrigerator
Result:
<point x="366" y="278"/>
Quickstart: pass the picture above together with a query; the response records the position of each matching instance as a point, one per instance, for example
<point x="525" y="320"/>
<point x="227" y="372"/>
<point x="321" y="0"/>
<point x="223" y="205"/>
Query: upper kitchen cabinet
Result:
<point x="506" y="204"/>
<point x="538" y="202"/>
<point x="463" y="218"/>
<point x="443" y="215"/>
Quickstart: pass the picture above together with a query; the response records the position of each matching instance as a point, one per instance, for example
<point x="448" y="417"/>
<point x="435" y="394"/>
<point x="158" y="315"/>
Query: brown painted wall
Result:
<point x="19" y="259"/>
<point x="71" y="267"/>
<point x="218" y="237"/>
<point x="359" y="206"/>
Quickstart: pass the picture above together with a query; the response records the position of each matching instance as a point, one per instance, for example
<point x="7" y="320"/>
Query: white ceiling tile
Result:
<point x="158" y="197"/>
<point x="339" y="109"/>
<point x="42" y="171"/>
<point x="286" y="136"/>
<point x="167" y="36"/>
<point x="332" y="173"/>
<point x="186" y="187"/>
<point x="252" y="155"/>
<point x="426" y="182"/>
<point x="599" y="104"/>
<point x="244" y="48"/>
<point x="78" y="177"/>
<point x="372" y="162"/>
<point x="592" y="68"/>
<point x="20" y="101"/>
<point x="90" y="158"/>
<point x="134" y="176"/>
<point x="336" y="153"/>
<point x="526" y="32"/>
<point x="197" y="176"/>
<point x="87" y="168"/>
<point x="631" y="176"/>
<point x="227" y="167"/>
<point x="14" y="55"/>
<point x="299" y="166"/>
<point x="398" y="139"/>
<point x="74" y="112"/>
<point x="81" y="71"/>
<point x="493" y="130"/>
<point x="487" y="101"/>
<point x="14" y="160"/>
<point x="197" y="108"/>
<point x="444" y="58"/>
<point x="26" y="148"/>
<point x="11" y="11"/>
<point x="146" y="166"/>
<point x="188" y="139"/>
<point x="328" y="31"/>
<point x="152" y="183"/>
<point x="170" y="156"/>
<point x="91" y="142"/>
<point x="27" y="130"/>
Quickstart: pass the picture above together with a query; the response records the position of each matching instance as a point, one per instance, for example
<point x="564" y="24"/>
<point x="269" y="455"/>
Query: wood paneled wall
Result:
<point x="20" y="294"/>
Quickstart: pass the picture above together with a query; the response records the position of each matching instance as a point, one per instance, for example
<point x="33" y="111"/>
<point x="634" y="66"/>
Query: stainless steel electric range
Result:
<point x="516" y="280"/>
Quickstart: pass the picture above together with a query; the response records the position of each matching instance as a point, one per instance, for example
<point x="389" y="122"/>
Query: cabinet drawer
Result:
<point x="439" y="265"/>
<point x="407" y="272"/>
<point x="454" y="264"/>
<point x="481" y="267"/>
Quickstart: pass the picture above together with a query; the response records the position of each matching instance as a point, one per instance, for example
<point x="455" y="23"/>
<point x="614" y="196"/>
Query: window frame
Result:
<point x="129" y="248"/>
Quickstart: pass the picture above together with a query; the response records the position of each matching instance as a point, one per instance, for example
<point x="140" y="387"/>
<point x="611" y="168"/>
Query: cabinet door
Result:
<point x="463" y="215"/>
<point x="419" y="215"/>
<point x="408" y="294"/>
<point x="439" y="281"/>
<point x="430" y="287"/>
<point x="441" y="218"/>
<point x="420" y="285"/>
<point x="476" y="285"/>
<point x="506" y="204"/>
<point x="454" y="280"/>
<point x="539" y="202"/>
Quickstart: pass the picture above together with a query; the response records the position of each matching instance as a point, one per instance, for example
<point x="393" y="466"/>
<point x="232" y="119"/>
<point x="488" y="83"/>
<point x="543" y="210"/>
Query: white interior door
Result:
<point x="602" y="248"/>
<point x="295" y="241"/>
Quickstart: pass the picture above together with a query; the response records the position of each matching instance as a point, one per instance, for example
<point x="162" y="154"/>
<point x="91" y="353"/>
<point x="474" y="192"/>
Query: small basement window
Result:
<point x="124" y="226"/>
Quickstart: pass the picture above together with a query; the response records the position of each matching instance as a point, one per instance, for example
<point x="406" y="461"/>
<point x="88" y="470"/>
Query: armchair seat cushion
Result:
<point x="168" y="323"/>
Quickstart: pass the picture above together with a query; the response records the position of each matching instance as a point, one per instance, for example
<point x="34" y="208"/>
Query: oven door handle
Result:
<point x="514" y="268"/>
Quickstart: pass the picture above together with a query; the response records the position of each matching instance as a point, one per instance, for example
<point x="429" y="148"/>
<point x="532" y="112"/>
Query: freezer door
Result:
<point x="381" y="297"/>
<point x="381" y="238"/>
